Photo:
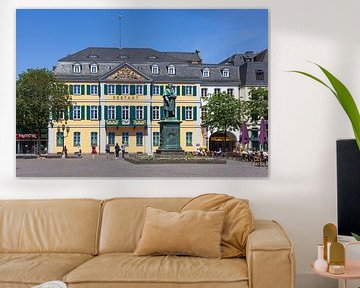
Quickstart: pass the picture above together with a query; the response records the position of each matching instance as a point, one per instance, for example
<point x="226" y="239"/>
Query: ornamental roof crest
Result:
<point x="125" y="73"/>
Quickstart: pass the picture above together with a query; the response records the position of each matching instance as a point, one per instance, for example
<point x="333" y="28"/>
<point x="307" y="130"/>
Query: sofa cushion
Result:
<point x="36" y="268"/>
<point x="193" y="232"/>
<point x="62" y="226"/>
<point x="123" y="220"/>
<point x="238" y="223"/>
<point x="126" y="268"/>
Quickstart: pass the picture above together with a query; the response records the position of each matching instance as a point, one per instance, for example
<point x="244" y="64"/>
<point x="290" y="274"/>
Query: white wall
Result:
<point x="305" y="120"/>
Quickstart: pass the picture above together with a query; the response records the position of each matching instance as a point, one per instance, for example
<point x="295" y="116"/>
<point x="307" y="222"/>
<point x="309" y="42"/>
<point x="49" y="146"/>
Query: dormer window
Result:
<point x="154" y="69"/>
<point x="206" y="73"/>
<point x="93" y="68"/>
<point x="225" y="73"/>
<point x="123" y="56"/>
<point x="153" y="57"/>
<point x="77" y="68"/>
<point x="171" y="69"/>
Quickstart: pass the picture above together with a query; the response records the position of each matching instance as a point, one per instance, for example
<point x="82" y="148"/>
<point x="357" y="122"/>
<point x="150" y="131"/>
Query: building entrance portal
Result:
<point x="217" y="140"/>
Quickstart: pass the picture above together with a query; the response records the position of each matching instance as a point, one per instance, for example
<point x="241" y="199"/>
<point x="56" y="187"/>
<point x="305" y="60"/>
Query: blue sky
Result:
<point x="44" y="36"/>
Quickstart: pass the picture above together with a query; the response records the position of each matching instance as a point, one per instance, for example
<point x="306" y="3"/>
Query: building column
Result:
<point x="102" y="130"/>
<point x="148" y="137"/>
<point x="51" y="140"/>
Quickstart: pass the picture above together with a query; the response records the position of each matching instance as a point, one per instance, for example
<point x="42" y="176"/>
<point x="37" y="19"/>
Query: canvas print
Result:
<point x="142" y="93"/>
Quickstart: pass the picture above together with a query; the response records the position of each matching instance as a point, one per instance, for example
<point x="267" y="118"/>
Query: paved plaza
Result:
<point x="109" y="167"/>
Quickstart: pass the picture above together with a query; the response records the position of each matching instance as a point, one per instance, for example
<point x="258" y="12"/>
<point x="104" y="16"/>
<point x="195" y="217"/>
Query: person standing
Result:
<point x="107" y="150"/>
<point x="93" y="151"/>
<point x="122" y="151"/>
<point x="117" y="150"/>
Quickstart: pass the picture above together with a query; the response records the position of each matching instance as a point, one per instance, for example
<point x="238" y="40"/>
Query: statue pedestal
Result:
<point x="170" y="137"/>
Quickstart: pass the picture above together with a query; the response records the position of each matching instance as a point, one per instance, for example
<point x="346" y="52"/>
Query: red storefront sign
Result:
<point x="26" y="136"/>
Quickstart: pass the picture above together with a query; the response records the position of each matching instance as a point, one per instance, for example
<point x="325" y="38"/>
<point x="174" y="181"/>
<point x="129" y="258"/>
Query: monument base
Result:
<point x="170" y="137"/>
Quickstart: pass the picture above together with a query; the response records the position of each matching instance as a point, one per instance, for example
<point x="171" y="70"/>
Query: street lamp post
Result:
<point x="63" y="128"/>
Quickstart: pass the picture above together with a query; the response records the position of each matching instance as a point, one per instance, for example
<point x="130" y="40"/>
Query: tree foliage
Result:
<point x="257" y="105"/>
<point x="38" y="95"/>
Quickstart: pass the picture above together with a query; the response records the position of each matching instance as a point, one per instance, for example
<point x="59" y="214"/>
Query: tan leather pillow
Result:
<point x="239" y="220"/>
<point x="196" y="233"/>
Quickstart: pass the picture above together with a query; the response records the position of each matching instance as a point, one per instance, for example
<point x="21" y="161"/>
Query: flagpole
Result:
<point x="120" y="31"/>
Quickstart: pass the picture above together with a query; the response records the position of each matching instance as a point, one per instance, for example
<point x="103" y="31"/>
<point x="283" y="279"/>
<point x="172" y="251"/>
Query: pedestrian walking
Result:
<point x="64" y="153"/>
<point x="79" y="151"/>
<point x="93" y="151"/>
<point x="117" y="151"/>
<point x="122" y="151"/>
<point x="107" y="150"/>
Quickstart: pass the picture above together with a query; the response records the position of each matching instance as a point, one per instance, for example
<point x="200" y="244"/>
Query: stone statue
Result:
<point x="169" y="101"/>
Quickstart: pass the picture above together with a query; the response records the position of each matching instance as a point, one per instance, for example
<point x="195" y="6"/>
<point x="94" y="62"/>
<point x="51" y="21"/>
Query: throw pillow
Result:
<point x="238" y="223"/>
<point x="196" y="233"/>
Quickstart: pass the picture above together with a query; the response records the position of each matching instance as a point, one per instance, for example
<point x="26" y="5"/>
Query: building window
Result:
<point x="156" y="113"/>
<point x="111" y="138"/>
<point x="206" y="73"/>
<point x="188" y="113"/>
<point x="93" y="68"/>
<point x="111" y="113"/>
<point x="230" y="91"/>
<point x="93" y="138"/>
<point x="156" y="138"/>
<point x="76" y="89"/>
<point x="189" y="138"/>
<point x="171" y="69"/>
<point x="125" y="89"/>
<point x="217" y="91"/>
<point x="77" y="68"/>
<point x="94" y="89"/>
<point x="76" y="139"/>
<point x="76" y="112"/>
<point x="94" y="112"/>
<point x="204" y="91"/>
<point x="203" y="112"/>
<point x="139" y="113"/>
<point x="139" y="89"/>
<point x="111" y="89"/>
<point x="125" y="112"/>
<point x="59" y="139"/>
<point x="225" y="73"/>
<point x="62" y="114"/>
<point x="156" y="90"/>
<point x="259" y="74"/>
<point x="188" y="90"/>
<point x="154" y="69"/>
<point x="125" y="138"/>
<point x="139" y="138"/>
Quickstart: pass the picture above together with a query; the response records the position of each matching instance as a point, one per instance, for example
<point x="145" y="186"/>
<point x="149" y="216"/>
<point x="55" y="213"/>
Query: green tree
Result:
<point x="39" y="95"/>
<point x="221" y="112"/>
<point x="257" y="105"/>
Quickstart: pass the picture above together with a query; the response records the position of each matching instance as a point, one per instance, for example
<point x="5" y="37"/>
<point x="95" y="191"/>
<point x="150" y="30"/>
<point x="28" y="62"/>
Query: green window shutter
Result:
<point x="82" y="89"/>
<point x="162" y="116"/>
<point x="82" y="112"/>
<point x="145" y="89"/>
<point x="66" y="113"/>
<point x="194" y="90"/>
<point x="118" y="89"/>
<point x="132" y="89"/>
<point x="87" y="89"/>
<point x="161" y="90"/>
<point x="105" y="112"/>
<point x="99" y="112"/>
<point x="132" y="114"/>
<point x="99" y="90"/>
<point x="118" y="113"/>
<point x="145" y="113"/>
<point x="183" y="113"/>
<point x="178" y="90"/>
<point x="183" y="90"/>
<point x="87" y="112"/>
<point x="151" y="113"/>
<point x="151" y="89"/>
<point x="195" y="113"/>
<point x="71" y="89"/>
<point x="105" y="89"/>
<point x="71" y="112"/>
<point x="178" y="113"/>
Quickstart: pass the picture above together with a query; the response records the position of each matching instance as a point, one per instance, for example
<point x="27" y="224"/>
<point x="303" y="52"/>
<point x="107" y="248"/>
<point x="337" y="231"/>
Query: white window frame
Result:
<point x="94" y="133"/>
<point x="125" y="135"/>
<point x="230" y="91"/>
<point x="125" y="89"/>
<point x="217" y="90"/>
<point x="77" y="68"/>
<point x="78" y="137"/>
<point x="95" y="71"/>
<point x="225" y="73"/>
<point x="189" y="113"/>
<point x="188" y="90"/>
<point x="111" y="112"/>
<point x="111" y="89"/>
<point x="186" y="139"/>
<point x="77" y="112"/>
<point x="171" y="70"/>
<point x="111" y="133"/>
<point x="156" y="90"/>
<point x="94" y="90"/>
<point x="94" y="112"/>
<point x="138" y="137"/>
<point x="139" y="89"/>
<point x="154" y="69"/>
<point x="139" y="112"/>
<point x="125" y="112"/>
<point x="206" y="73"/>
<point x="76" y="89"/>
<point x="204" y="91"/>
<point x="157" y="137"/>
<point x="156" y="113"/>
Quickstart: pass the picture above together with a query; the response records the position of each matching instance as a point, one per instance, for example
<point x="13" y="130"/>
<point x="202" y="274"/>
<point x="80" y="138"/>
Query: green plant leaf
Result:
<point x="356" y="236"/>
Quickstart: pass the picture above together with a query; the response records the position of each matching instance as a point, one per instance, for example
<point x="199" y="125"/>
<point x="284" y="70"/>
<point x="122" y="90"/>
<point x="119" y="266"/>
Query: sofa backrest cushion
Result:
<point x="123" y="220"/>
<point x="64" y="226"/>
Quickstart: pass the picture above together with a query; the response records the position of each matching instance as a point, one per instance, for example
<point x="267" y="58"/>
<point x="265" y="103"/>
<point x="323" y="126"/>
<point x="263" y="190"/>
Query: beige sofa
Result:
<point x="89" y="243"/>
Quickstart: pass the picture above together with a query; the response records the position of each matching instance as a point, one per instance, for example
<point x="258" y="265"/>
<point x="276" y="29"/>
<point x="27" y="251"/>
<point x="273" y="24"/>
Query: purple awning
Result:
<point x="263" y="137"/>
<point x="244" y="134"/>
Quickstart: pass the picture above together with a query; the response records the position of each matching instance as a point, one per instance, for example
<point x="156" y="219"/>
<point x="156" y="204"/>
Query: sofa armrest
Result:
<point x="269" y="256"/>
